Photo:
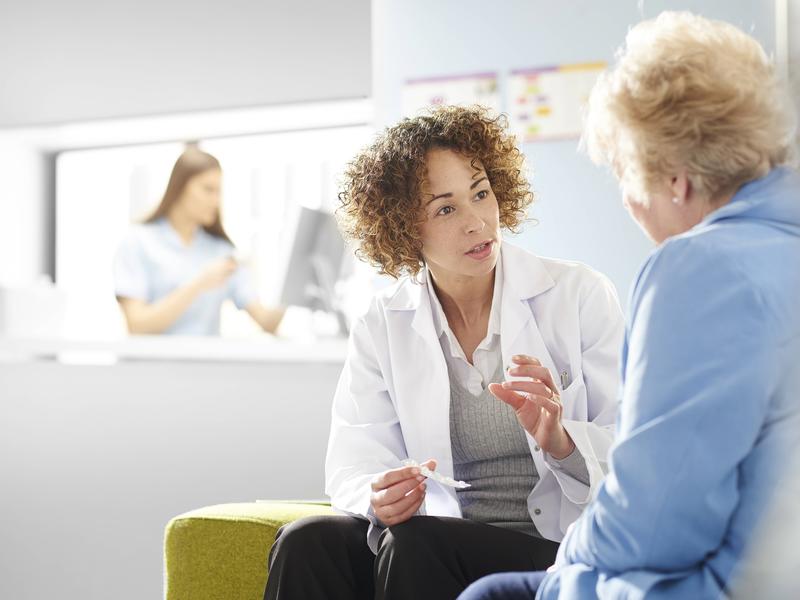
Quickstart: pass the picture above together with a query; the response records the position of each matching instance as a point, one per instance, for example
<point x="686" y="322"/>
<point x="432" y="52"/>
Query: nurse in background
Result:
<point x="173" y="272"/>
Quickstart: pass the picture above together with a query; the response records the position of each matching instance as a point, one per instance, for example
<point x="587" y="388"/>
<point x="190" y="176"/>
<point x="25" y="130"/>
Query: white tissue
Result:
<point x="443" y="479"/>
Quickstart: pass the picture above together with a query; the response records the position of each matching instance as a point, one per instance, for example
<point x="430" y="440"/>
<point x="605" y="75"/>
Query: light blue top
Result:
<point x="710" y="404"/>
<point x="153" y="261"/>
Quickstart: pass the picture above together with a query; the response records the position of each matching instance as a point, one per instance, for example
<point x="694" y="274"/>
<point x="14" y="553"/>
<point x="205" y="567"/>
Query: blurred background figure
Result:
<point x="173" y="272"/>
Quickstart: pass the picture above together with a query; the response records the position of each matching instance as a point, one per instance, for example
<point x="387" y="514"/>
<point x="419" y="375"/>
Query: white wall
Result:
<point x="92" y="59"/>
<point x="95" y="460"/>
<point x="24" y="216"/>
<point x="578" y="206"/>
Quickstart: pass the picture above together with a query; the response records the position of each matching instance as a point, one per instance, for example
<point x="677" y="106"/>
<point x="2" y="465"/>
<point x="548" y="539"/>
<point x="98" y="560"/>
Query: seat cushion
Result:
<point x="220" y="552"/>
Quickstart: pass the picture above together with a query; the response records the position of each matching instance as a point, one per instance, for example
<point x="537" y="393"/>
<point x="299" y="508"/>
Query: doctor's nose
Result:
<point x="474" y="224"/>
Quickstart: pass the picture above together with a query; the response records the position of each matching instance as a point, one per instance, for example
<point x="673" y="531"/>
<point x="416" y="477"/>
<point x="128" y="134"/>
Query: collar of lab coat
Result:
<point x="523" y="273"/>
<point x="524" y="277"/>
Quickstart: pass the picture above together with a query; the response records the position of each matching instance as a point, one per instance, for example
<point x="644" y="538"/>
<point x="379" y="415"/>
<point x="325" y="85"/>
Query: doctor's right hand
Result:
<point x="215" y="274"/>
<point x="398" y="493"/>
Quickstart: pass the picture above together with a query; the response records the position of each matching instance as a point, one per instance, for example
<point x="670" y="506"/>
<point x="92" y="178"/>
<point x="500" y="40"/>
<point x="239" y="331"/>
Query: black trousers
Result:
<point x="425" y="557"/>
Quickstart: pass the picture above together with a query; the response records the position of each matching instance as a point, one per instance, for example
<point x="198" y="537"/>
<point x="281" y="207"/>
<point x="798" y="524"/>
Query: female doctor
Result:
<point x="496" y="366"/>
<point x="173" y="272"/>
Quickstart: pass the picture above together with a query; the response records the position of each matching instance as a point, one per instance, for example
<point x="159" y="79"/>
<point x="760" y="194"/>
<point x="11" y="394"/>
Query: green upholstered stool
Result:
<point x="220" y="552"/>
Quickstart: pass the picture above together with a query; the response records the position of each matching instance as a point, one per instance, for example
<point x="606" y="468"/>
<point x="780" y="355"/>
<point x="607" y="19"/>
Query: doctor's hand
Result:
<point x="537" y="405"/>
<point x="215" y="274"/>
<point x="398" y="493"/>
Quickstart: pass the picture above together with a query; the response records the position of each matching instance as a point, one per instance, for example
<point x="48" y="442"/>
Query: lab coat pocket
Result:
<point x="573" y="396"/>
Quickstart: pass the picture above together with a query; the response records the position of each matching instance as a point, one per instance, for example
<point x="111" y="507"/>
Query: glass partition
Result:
<point x="266" y="178"/>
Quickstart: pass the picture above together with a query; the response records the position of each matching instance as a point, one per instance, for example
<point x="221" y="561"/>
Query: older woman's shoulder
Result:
<point x="690" y="266"/>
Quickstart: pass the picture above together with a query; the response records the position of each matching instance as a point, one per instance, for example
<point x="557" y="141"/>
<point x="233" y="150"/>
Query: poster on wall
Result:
<point x="546" y="103"/>
<point x="464" y="90"/>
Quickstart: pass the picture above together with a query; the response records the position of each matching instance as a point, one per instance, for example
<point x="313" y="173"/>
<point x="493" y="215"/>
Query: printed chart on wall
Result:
<point x="465" y="90"/>
<point x="546" y="103"/>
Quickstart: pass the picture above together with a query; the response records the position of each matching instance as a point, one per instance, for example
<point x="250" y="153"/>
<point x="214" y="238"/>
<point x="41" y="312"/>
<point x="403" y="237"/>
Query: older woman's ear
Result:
<point x="680" y="187"/>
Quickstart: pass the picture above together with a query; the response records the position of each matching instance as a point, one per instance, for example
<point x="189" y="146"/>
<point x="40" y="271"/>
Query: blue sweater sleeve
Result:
<point x="697" y="373"/>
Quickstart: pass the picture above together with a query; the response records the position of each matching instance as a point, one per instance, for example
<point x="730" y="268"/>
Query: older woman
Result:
<point x="694" y="123"/>
<point x="471" y="317"/>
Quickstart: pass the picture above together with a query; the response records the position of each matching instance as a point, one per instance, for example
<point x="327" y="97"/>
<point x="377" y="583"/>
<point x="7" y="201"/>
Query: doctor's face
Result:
<point x="460" y="226"/>
<point x="200" y="198"/>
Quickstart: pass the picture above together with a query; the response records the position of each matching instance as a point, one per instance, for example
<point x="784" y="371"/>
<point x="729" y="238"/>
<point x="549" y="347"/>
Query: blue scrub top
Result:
<point x="153" y="261"/>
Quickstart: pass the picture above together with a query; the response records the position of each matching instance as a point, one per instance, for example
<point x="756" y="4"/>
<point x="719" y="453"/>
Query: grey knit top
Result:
<point x="490" y="448"/>
<point x="490" y="451"/>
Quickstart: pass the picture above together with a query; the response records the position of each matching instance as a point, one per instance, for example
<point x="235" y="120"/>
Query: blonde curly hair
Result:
<point x="692" y="92"/>
<point x="380" y="198"/>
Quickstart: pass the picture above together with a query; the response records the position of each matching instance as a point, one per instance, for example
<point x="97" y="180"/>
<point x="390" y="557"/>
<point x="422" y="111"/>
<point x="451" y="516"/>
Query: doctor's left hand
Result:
<point x="536" y="404"/>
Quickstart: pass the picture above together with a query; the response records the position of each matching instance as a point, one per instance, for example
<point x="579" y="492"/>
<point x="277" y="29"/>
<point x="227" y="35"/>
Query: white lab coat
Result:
<point x="393" y="397"/>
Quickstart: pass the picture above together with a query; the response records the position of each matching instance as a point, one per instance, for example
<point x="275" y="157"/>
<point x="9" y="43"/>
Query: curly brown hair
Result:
<point x="380" y="200"/>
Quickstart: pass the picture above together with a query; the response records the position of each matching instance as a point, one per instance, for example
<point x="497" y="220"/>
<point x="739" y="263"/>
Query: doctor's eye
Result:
<point x="445" y="210"/>
<point x="482" y="194"/>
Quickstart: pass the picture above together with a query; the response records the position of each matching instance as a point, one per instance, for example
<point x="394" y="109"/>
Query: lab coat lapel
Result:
<point x="430" y="372"/>
<point x="524" y="277"/>
<point x="427" y="394"/>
